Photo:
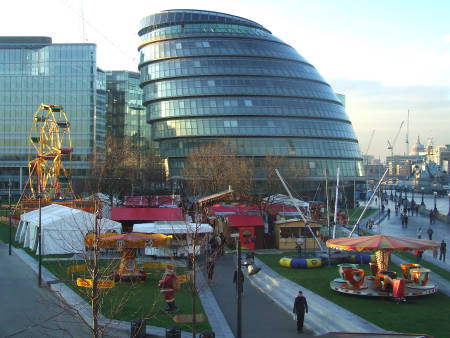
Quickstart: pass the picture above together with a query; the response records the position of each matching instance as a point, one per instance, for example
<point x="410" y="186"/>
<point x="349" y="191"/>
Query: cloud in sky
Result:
<point x="372" y="105"/>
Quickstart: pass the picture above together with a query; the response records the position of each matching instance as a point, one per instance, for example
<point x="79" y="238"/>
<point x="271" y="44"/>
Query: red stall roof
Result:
<point x="147" y="214"/>
<point x="245" y="220"/>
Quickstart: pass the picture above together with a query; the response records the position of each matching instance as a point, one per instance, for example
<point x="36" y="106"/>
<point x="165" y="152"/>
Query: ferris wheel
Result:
<point x="50" y="154"/>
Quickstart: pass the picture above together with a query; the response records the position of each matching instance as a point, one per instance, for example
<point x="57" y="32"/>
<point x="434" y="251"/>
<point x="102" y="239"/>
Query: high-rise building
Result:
<point x="33" y="71"/>
<point x="125" y="114"/>
<point x="208" y="76"/>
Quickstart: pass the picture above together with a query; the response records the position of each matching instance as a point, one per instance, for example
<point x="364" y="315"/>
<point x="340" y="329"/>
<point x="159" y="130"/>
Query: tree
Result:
<point x="213" y="167"/>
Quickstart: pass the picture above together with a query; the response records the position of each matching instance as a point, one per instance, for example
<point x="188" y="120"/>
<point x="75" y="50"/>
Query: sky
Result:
<point x="387" y="57"/>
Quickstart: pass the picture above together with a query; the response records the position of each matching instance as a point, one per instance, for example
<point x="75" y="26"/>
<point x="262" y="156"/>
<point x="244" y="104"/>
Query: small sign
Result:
<point x="76" y="268"/>
<point x="101" y="284"/>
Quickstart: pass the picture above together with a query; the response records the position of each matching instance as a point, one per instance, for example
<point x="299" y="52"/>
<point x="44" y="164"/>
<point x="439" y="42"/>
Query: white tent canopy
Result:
<point x="168" y="228"/>
<point x="63" y="229"/>
<point x="180" y="246"/>
<point x="283" y="199"/>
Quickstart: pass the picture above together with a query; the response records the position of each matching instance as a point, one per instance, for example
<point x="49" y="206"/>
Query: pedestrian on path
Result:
<point x="417" y="210"/>
<point x="431" y="217"/>
<point x="402" y="216"/>
<point x="300" y="307"/>
<point x="210" y="267"/>
<point x="419" y="233"/>
<point x="435" y="253"/>
<point x="430" y="233"/>
<point x="389" y="213"/>
<point x="406" y="221"/>
<point x="443" y="251"/>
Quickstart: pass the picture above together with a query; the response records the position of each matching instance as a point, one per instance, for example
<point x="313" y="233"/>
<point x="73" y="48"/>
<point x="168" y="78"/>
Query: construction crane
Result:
<point x="391" y="145"/>
<point x="368" y="146"/>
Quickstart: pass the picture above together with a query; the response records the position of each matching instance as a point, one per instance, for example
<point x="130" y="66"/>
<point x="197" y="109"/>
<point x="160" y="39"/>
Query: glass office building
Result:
<point x="208" y="76"/>
<point x="33" y="71"/>
<point x="125" y="114"/>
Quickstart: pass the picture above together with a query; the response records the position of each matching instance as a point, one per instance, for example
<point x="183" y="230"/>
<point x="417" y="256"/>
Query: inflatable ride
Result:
<point x="310" y="263"/>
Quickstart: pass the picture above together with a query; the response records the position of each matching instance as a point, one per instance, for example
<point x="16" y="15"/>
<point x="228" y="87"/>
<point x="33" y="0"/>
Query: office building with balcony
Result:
<point x="33" y="70"/>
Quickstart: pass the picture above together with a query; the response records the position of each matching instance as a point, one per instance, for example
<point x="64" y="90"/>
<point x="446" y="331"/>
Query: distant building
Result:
<point x="418" y="148"/>
<point x="125" y="114"/>
<point x="33" y="71"/>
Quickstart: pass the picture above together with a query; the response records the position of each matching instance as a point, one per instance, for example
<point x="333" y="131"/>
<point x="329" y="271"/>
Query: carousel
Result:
<point x="127" y="244"/>
<point x="413" y="280"/>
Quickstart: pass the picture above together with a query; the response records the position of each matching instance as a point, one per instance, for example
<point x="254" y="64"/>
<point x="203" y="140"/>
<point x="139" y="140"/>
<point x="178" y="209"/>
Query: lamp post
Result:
<point x="39" y="196"/>
<point x="239" y="290"/>
<point x="435" y="196"/>
<point x="422" y="203"/>
<point x="10" y="214"/>
<point x="448" y="215"/>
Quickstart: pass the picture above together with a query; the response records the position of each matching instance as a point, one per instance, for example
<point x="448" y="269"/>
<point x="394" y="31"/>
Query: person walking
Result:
<point x="406" y="221"/>
<point x="442" y="251"/>
<point x="389" y="213"/>
<point x="403" y="220"/>
<point x="300" y="307"/>
<point x="210" y="267"/>
<point x="430" y="233"/>
<point x="431" y="217"/>
<point x="419" y="233"/>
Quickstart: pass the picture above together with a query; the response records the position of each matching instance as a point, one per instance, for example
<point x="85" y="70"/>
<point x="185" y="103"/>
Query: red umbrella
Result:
<point x="383" y="245"/>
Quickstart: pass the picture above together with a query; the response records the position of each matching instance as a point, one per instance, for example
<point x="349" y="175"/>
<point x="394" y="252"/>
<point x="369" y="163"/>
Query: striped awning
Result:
<point x="382" y="242"/>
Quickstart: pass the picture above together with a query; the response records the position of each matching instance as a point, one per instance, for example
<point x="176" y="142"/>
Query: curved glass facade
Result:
<point x="208" y="76"/>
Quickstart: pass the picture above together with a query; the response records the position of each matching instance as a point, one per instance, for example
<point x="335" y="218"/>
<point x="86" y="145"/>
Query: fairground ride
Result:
<point x="49" y="156"/>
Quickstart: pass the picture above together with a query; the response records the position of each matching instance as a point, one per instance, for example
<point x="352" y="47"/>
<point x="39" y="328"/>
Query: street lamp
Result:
<point x="448" y="205"/>
<point x="239" y="290"/>
<point x="422" y="203"/>
<point x="39" y="196"/>
<point x="435" y="196"/>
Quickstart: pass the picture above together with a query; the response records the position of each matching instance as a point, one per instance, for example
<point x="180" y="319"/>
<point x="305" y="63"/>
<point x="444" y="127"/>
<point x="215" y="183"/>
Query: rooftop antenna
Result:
<point x="407" y="132"/>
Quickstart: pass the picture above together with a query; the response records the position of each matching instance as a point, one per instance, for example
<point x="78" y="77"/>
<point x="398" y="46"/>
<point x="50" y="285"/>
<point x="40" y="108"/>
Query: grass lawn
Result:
<point x="127" y="300"/>
<point x="428" y="314"/>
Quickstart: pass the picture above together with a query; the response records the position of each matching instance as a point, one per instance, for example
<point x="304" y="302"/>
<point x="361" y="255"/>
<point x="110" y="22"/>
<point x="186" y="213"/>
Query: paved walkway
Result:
<point x="29" y="311"/>
<point x="262" y="316"/>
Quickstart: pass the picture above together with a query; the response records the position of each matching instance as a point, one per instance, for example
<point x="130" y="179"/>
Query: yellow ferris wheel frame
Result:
<point x="49" y="142"/>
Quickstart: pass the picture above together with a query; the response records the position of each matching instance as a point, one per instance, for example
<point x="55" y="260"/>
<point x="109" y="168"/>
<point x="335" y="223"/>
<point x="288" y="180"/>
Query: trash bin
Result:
<point x="138" y="328"/>
<point x="207" y="334"/>
<point x="173" y="332"/>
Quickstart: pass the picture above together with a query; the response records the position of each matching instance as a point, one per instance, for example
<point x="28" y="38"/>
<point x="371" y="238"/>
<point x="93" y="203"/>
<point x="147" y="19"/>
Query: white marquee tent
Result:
<point x="183" y="236"/>
<point x="63" y="229"/>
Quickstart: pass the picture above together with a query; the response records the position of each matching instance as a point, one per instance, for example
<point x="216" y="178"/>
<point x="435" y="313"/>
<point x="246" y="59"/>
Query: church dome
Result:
<point x="417" y="147"/>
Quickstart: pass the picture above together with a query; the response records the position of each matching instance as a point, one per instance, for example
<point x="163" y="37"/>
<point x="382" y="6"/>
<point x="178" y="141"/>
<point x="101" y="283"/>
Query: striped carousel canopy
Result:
<point x="382" y="242"/>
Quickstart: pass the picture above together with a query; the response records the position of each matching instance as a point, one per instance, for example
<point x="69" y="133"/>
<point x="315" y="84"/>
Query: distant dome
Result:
<point x="417" y="148"/>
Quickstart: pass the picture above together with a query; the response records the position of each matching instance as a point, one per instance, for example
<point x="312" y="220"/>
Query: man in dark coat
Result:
<point x="300" y="307"/>
<point x="443" y="250"/>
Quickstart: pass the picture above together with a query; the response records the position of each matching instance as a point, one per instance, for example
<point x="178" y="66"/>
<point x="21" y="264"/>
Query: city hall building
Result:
<point x="208" y="76"/>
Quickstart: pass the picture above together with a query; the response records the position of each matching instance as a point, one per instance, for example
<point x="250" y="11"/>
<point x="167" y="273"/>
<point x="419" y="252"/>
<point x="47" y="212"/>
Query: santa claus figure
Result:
<point x="168" y="284"/>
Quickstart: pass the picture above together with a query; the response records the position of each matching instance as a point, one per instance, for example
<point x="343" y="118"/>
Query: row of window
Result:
<point x="263" y="147"/>
<point x="237" y="86"/>
<point x="190" y="16"/>
<point x="297" y="167"/>
<point x="187" y="30"/>
<point x="54" y="53"/>
<point x="43" y="83"/>
<point x="252" y="127"/>
<point x="228" y="66"/>
<point x="47" y="68"/>
<point x="201" y="47"/>
<point x="245" y="106"/>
